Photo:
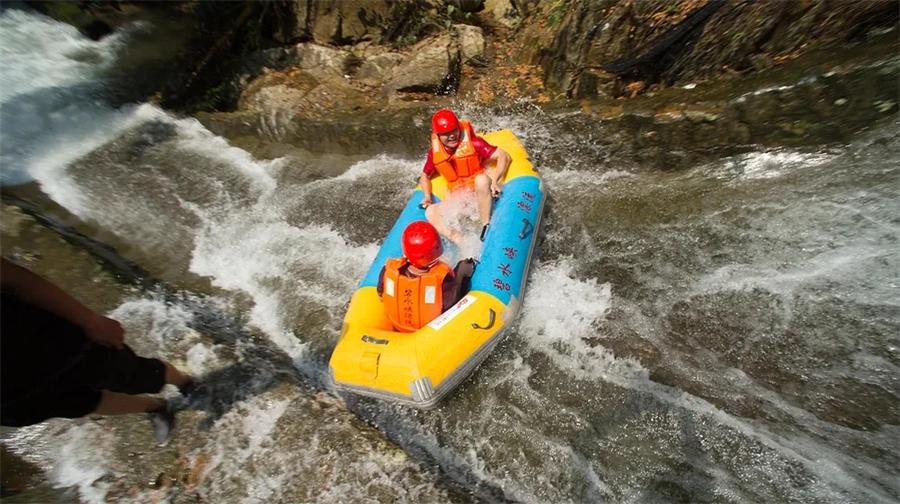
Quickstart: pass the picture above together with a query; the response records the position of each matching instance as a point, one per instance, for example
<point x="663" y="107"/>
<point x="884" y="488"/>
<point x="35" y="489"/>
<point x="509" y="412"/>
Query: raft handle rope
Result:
<point x="377" y="341"/>
<point x="492" y="316"/>
<point x="526" y="229"/>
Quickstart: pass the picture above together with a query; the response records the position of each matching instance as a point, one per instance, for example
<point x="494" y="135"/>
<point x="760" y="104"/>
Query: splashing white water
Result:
<point x="329" y="462"/>
<point x="72" y="454"/>
<point x="583" y="180"/>
<point x="244" y="439"/>
<point x="155" y="328"/>
<point x="153" y="321"/>
<point x="80" y="460"/>
<point x="767" y="164"/>
<point x="846" y="265"/>
<point x="381" y="166"/>
<point x="560" y="314"/>
<point x="38" y="52"/>
<point x="196" y="140"/>
<point x="459" y="213"/>
<point x="279" y="265"/>
<point x="50" y="95"/>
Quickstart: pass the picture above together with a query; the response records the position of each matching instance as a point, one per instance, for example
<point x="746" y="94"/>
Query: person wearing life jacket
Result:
<point x="418" y="287"/>
<point x="462" y="158"/>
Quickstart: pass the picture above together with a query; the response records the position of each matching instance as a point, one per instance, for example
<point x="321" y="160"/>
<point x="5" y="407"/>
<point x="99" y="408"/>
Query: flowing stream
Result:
<point x="728" y="332"/>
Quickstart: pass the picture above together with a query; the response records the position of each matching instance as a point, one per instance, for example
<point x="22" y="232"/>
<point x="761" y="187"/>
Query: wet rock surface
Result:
<point x="317" y="80"/>
<point x="610" y="48"/>
<point x="648" y="42"/>
<point x="802" y="104"/>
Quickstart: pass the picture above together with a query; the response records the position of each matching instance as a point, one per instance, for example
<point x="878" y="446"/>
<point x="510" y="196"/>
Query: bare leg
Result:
<point x="433" y="214"/>
<point x="174" y="376"/>
<point x="115" y="403"/>
<point x="483" y="195"/>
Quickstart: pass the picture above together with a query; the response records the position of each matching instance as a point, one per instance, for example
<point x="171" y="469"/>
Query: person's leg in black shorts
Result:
<point x="105" y="381"/>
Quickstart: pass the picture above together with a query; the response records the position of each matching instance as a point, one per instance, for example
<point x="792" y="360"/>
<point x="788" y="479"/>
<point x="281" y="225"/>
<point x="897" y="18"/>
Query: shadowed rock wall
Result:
<point x="599" y="47"/>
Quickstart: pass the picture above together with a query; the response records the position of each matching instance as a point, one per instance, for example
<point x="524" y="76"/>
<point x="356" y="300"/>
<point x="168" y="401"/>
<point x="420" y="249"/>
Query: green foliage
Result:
<point x="457" y="15"/>
<point x="449" y="20"/>
<point x="421" y="23"/>
<point x="214" y="98"/>
<point x="67" y="12"/>
<point x="406" y="40"/>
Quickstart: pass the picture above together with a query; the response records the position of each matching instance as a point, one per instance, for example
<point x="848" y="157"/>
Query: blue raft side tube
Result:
<point x="509" y="241"/>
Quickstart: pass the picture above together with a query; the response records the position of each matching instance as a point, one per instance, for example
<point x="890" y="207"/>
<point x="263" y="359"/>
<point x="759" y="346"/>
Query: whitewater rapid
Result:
<point x="724" y="333"/>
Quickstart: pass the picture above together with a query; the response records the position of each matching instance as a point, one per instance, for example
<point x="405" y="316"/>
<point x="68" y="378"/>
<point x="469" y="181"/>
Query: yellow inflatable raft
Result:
<point x="420" y="368"/>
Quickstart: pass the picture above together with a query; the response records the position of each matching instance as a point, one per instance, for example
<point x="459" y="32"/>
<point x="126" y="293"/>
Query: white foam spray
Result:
<point x="50" y="96"/>
<point x="72" y="454"/>
<point x="560" y="313"/>
<point x="279" y="265"/>
<point x="155" y="328"/>
<point x="766" y="164"/>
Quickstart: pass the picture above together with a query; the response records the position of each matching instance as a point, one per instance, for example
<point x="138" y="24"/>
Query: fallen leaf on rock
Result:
<point x="197" y="470"/>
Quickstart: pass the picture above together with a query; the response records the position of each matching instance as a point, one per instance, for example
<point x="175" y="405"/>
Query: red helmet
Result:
<point x="444" y="121"/>
<point x="421" y="244"/>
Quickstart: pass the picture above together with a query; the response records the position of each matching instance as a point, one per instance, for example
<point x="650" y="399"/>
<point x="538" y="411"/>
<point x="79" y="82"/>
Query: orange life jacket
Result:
<point x="460" y="167"/>
<point x="413" y="302"/>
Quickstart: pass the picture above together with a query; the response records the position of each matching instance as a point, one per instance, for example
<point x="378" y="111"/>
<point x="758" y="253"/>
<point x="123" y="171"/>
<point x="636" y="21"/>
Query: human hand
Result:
<point x="496" y="188"/>
<point x="426" y="202"/>
<point x="105" y="331"/>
